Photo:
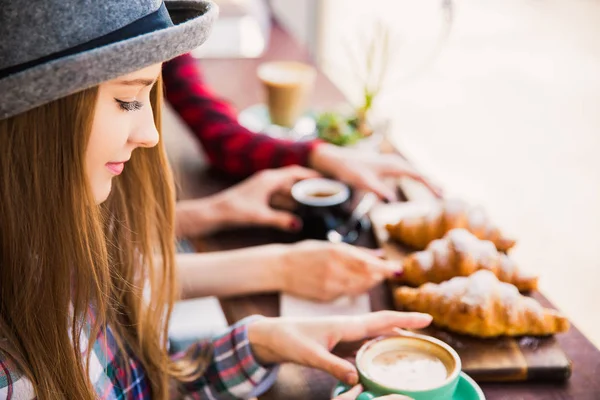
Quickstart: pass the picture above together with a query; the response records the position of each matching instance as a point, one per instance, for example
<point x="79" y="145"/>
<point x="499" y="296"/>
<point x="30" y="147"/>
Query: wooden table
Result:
<point x="236" y="80"/>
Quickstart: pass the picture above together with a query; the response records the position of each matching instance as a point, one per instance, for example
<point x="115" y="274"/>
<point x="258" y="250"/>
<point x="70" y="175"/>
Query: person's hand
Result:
<point x="249" y="202"/>
<point x="365" y="170"/>
<point x="324" y="271"/>
<point x="245" y="204"/>
<point x="353" y="393"/>
<point x="309" y="341"/>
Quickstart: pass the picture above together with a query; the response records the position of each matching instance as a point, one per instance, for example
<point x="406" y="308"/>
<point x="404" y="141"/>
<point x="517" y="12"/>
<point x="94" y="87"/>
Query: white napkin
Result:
<point x="291" y="306"/>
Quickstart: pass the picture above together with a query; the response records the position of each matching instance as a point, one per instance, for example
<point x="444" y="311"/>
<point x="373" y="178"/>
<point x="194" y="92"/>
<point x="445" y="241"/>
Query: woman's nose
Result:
<point x="146" y="134"/>
<point x="147" y="137"/>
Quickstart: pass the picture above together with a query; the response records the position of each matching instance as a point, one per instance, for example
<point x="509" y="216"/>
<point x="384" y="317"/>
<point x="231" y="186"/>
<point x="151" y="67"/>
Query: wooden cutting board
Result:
<point x="502" y="359"/>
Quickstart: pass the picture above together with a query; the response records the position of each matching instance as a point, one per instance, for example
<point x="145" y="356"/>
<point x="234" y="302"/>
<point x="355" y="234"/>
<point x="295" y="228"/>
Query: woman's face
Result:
<point x="123" y="121"/>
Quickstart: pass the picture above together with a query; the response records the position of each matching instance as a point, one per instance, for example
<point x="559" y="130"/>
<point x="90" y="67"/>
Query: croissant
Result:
<point x="482" y="306"/>
<point x="419" y="231"/>
<point x="460" y="253"/>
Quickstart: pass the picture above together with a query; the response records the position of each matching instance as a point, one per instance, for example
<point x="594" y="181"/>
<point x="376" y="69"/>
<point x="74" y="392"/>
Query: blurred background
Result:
<point x="497" y="101"/>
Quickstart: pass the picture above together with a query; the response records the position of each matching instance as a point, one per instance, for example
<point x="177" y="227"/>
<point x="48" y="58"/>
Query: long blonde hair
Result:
<point x="61" y="254"/>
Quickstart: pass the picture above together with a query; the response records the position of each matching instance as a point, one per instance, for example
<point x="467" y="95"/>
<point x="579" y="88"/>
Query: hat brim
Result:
<point x="192" y="19"/>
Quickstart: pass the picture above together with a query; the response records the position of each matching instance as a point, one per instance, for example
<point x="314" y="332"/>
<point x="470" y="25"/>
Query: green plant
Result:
<point x="334" y="128"/>
<point x="370" y="67"/>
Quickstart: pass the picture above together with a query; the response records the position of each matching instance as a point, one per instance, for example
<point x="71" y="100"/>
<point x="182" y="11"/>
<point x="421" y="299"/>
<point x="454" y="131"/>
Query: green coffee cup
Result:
<point x="418" y="366"/>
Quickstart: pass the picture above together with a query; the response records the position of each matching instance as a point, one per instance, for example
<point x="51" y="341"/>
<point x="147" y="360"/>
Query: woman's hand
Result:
<point x="353" y="393"/>
<point x="247" y="203"/>
<point x="311" y="269"/>
<point x="365" y="170"/>
<point x="324" y="271"/>
<point x="309" y="341"/>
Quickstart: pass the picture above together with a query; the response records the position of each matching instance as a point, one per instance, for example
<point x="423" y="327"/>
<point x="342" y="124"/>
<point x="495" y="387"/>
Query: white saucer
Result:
<point x="256" y="118"/>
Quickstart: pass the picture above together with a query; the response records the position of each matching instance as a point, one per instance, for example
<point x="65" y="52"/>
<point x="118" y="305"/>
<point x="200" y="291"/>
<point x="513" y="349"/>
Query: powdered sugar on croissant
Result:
<point x="481" y="305"/>
<point x="419" y="231"/>
<point x="460" y="253"/>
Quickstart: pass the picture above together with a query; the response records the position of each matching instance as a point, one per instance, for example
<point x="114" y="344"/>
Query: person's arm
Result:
<point x="228" y="273"/>
<point x="237" y="370"/>
<point x="237" y="151"/>
<point x="311" y="269"/>
<point x="229" y="146"/>
<point x="233" y="372"/>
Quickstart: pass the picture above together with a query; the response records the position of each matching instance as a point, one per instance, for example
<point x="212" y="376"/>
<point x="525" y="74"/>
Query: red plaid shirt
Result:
<point x="229" y="146"/>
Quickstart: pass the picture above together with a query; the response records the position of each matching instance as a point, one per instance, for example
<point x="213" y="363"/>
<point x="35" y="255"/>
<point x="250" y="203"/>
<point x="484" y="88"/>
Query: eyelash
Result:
<point x="129" y="105"/>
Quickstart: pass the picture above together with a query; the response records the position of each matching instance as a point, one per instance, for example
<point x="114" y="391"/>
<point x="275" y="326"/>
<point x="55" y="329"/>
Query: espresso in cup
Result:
<point x="320" y="205"/>
<point x="418" y="366"/>
<point x="287" y="85"/>
<point x="322" y="193"/>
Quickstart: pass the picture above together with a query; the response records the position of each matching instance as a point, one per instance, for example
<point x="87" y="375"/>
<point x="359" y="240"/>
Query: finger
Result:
<point x="397" y="268"/>
<point x="283" y="220"/>
<point x="373" y="183"/>
<point x="349" y="287"/>
<point x="399" y="169"/>
<point x="360" y="283"/>
<point x="380" y="253"/>
<point x="284" y="178"/>
<point x="339" y="368"/>
<point x="394" y="397"/>
<point x="363" y="286"/>
<point x="351" y="394"/>
<point x="367" y="263"/>
<point x="283" y="202"/>
<point x="351" y="284"/>
<point x="434" y="189"/>
<point x="340" y="285"/>
<point x="300" y="172"/>
<point x="380" y="323"/>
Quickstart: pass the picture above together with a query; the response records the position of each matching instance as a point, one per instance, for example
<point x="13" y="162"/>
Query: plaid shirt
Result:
<point x="229" y="146"/>
<point x="233" y="373"/>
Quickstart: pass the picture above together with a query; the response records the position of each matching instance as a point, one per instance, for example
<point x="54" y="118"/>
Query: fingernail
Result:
<point x="296" y="225"/>
<point x="424" y="317"/>
<point x="396" y="266"/>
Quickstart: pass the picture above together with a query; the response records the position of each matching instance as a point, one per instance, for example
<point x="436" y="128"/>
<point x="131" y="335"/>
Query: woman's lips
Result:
<point x="115" y="167"/>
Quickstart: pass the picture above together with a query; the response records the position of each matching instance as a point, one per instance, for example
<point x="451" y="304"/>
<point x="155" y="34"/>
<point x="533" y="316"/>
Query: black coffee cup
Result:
<point x="320" y="203"/>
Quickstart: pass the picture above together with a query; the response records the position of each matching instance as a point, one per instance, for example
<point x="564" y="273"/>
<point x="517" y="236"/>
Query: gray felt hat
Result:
<point x="52" y="48"/>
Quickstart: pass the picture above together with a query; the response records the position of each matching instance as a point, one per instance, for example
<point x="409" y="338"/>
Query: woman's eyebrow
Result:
<point x="136" y="82"/>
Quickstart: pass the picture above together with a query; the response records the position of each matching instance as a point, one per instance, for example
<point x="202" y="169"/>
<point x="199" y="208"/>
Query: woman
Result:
<point x="87" y="276"/>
